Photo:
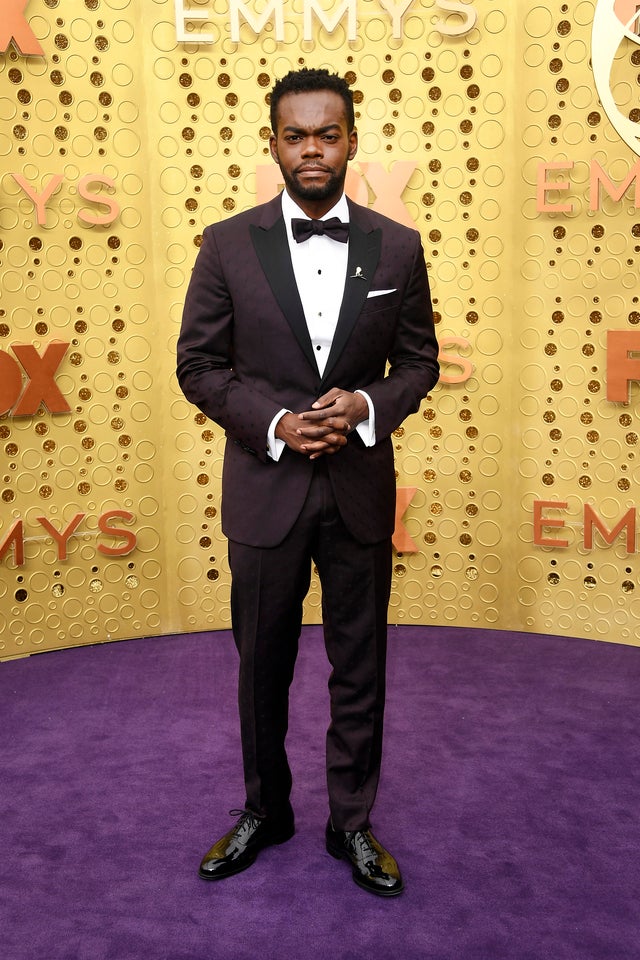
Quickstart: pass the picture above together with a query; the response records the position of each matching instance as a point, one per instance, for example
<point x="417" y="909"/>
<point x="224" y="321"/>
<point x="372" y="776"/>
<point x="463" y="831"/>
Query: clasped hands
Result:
<point x="323" y="429"/>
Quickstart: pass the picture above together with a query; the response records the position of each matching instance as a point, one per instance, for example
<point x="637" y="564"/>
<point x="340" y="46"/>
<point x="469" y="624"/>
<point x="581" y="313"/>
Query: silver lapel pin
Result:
<point x="358" y="275"/>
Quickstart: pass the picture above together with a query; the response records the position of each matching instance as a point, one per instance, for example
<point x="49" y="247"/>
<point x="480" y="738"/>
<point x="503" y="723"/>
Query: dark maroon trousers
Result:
<point x="268" y="589"/>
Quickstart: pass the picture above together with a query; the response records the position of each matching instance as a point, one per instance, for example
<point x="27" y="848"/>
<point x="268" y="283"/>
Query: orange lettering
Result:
<point x="111" y="205"/>
<point x="466" y="367"/>
<point x="598" y="176"/>
<point x="127" y="535"/>
<point x="62" y="537"/>
<point x="539" y="522"/>
<point x="41" y="386"/>
<point x="622" y="368"/>
<point x="592" y="520"/>
<point x="14" y="26"/>
<point x="39" y="199"/>
<point x="15" y="537"/>
<point x="545" y="185"/>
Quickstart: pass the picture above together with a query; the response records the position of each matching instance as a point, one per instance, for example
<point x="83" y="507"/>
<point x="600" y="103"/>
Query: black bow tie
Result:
<point x="334" y="228"/>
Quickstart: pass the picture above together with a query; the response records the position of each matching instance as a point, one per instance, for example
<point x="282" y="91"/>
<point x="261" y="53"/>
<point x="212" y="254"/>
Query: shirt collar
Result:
<point x="291" y="209"/>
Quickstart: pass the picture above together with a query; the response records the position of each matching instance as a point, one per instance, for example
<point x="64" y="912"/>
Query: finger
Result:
<point x="331" y="440"/>
<point x="318" y="415"/>
<point x="327" y="399"/>
<point x="316" y="430"/>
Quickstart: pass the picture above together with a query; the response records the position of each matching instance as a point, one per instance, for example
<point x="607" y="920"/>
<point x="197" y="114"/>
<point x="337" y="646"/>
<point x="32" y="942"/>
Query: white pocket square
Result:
<point x="380" y="293"/>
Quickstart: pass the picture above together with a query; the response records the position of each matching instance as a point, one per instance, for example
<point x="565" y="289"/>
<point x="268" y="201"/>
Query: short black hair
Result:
<point x="307" y="80"/>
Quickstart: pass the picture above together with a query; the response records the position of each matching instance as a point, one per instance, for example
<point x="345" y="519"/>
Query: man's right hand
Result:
<point x="310" y="439"/>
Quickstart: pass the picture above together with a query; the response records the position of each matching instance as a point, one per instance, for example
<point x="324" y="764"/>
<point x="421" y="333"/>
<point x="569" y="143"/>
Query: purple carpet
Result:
<point x="510" y="797"/>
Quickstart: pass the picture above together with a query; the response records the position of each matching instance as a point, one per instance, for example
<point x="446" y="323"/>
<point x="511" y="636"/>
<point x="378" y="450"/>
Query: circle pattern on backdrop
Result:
<point x="523" y="299"/>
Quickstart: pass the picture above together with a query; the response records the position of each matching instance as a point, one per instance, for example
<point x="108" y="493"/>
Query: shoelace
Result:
<point x="362" y="844"/>
<point x="246" y="824"/>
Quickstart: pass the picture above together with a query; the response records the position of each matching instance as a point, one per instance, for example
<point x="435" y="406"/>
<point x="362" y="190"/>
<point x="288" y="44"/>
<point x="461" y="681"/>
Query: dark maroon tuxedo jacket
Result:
<point x="244" y="353"/>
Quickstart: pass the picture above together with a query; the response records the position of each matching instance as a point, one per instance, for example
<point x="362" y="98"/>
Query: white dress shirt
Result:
<point x="320" y="268"/>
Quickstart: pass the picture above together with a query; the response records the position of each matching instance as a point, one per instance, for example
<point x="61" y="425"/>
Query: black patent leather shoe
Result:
<point x="373" y="867"/>
<point x="239" y="848"/>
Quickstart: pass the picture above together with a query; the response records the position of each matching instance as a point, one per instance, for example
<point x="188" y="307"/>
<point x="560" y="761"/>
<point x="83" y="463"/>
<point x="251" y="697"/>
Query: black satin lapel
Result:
<point x="364" y="253"/>
<point x="272" y="249"/>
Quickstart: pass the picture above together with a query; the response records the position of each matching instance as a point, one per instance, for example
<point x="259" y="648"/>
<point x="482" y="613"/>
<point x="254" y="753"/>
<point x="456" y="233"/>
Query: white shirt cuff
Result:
<point x="367" y="428"/>
<point x="275" y="446"/>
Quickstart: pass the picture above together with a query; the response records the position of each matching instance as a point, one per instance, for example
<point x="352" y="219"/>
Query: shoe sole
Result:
<point x="338" y="854"/>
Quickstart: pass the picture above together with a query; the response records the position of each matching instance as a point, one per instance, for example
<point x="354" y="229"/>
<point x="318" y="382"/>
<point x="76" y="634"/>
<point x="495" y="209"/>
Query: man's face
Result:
<point x="312" y="146"/>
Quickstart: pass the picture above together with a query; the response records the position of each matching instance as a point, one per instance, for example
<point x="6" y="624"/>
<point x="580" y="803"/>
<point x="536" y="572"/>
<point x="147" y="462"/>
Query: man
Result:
<point x="286" y="334"/>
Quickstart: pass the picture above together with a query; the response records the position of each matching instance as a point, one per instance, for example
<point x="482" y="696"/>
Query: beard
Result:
<point x="333" y="186"/>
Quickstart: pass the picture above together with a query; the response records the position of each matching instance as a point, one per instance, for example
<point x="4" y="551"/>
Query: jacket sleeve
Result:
<point x="205" y="363"/>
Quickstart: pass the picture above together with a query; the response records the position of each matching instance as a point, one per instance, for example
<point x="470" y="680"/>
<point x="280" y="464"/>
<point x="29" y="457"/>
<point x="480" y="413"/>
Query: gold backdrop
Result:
<point x="480" y="122"/>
